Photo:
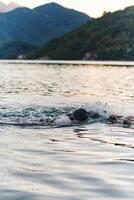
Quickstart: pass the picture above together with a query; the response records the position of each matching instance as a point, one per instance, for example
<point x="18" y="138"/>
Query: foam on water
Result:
<point x="48" y="116"/>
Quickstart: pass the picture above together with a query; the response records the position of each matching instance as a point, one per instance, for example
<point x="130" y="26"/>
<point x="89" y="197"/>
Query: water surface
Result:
<point x="41" y="162"/>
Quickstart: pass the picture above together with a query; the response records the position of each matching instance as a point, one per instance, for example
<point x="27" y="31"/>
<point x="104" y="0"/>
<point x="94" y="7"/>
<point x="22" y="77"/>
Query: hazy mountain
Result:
<point x="39" y="25"/>
<point x="110" y="37"/>
<point x="11" y="6"/>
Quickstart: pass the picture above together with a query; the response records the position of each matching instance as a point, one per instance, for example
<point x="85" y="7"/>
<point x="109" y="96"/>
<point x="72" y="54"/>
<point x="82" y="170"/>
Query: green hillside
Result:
<point x="110" y="37"/>
<point x="14" y="50"/>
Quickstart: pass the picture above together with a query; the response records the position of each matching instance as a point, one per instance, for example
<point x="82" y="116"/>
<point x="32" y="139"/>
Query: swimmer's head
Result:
<point x="80" y="115"/>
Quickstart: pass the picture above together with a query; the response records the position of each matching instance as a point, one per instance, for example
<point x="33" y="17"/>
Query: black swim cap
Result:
<point x="80" y="114"/>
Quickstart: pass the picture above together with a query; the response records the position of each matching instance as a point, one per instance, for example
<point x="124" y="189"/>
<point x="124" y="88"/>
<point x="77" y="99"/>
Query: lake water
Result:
<point x="92" y="160"/>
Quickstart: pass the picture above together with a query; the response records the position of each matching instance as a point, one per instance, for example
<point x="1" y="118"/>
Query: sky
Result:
<point x="94" y="8"/>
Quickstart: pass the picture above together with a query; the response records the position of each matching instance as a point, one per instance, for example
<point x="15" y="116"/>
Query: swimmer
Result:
<point x="77" y="116"/>
<point x="81" y="115"/>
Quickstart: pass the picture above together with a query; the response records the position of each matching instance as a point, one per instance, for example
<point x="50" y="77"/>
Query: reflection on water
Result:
<point x="92" y="161"/>
<point x="100" y="83"/>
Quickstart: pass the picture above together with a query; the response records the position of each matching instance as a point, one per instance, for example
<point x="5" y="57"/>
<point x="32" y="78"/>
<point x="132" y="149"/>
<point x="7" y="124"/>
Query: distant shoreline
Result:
<point x="66" y="62"/>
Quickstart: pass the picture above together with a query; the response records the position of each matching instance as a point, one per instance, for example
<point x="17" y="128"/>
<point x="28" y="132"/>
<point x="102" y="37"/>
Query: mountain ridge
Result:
<point x="110" y="37"/>
<point x="22" y="23"/>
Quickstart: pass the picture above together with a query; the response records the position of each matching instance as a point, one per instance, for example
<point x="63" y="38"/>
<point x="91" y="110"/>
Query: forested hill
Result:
<point x="110" y="37"/>
<point x="15" y="50"/>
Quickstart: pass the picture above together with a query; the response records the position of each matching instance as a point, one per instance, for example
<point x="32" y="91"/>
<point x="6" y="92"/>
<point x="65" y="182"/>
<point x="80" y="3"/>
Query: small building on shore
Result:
<point x="90" y="56"/>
